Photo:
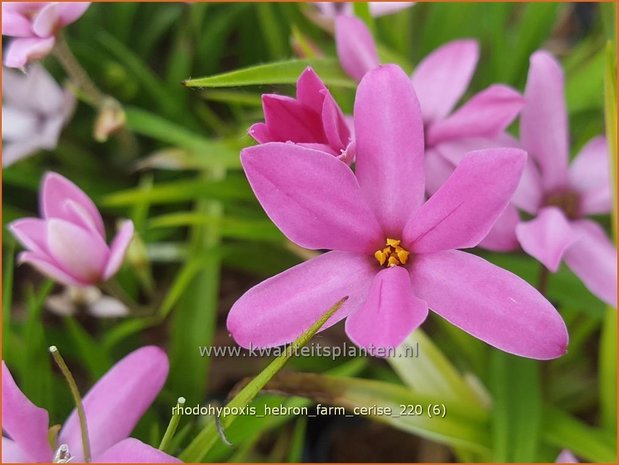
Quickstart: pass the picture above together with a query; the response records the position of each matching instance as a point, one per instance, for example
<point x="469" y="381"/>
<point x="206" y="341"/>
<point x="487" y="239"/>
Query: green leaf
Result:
<point x="8" y="269"/>
<point x="516" y="408"/>
<point x="431" y="373"/>
<point x="232" y="188"/>
<point x="281" y="72"/>
<point x="565" y="432"/>
<point x="463" y="425"/>
<point x="205" y="440"/>
<point x="96" y="361"/>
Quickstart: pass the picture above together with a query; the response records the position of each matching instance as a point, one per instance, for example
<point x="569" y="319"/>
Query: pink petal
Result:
<point x="56" y="190"/>
<point x="502" y="236"/>
<point x="279" y="309"/>
<point x="437" y="170"/>
<point x="80" y="253"/>
<point x="489" y="303"/>
<point x="442" y="77"/>
<point x="48" y="266"/>
<point x="312" y="197"/>
<point x="131" y="450"/>
<point x="117" y="401"/>
<point x="334" y="124"/>
<point x="386" y="8"/>
<point x="593" y="258"/>
<point x="487" y="114"/>
<point x="390" y="313"/>
<point x="46" y="22"/>
<point x="389" y="144"/>
<point x="72" y="11"/>
<point x="566" y="457"/>
<point x="465" y="208"/>
<point x="261" y="134"/>
<point x="356" y="49"/>
<point x="289" y="120"/>
<point x="21" y="51"/>
<point x="543" y="124"/>
<point x="310" y="90"/>
<point x="118" y="249"/>
<point x="590" y="175"/>
<point x="23" y="421"/>
<point x="546" y="237"/>
<point x="31" y="233"/>
<point x="11" y="453"/>
<point x="529" y="194"/>
<point x="15" y="24"/>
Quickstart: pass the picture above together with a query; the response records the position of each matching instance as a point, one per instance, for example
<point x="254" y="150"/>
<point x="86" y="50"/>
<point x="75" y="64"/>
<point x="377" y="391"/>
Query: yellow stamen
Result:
<point x="392" y="255"/>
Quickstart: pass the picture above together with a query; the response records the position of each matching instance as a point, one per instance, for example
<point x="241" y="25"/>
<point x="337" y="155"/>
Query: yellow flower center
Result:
<point x="392" y="255"/>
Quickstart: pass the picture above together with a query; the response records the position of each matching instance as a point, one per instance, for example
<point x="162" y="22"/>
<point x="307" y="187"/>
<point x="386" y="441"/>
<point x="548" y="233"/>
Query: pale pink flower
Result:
<point x="34" y="26"/>
<point x="440" y="81"/>
<point x="566" y="456"/>
<point x="377" y="9"/>
<point x="313" y="119"/>
<point x="113" y="407"/>
<point x="34" y="111"/>
<point x="392" y="254"/>
<point x="68" y="242"/>
<point x="560" y="196"/>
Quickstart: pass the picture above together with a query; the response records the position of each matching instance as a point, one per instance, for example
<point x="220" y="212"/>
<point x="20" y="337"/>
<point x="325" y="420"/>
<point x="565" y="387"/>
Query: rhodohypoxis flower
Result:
<point x="561" y="196"/>
<point x="68" y="242"/>
<point x="34" y="27"/>
<point x="313" y="119"/>
<point x="391" y="253"/>
<point x="113" y="407"/>
<point x="440" y="80"/>
<point x="34" y="110"/>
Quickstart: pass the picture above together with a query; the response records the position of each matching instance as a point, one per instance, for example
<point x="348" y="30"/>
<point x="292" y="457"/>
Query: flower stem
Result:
<point x="542" y="279"/>
<point x="78" y="75"/>
<point x="171" y="429"/>
<point x="76" y="397"/>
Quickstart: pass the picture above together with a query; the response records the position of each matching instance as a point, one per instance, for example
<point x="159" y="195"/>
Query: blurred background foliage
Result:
<point x="203" y="239"/>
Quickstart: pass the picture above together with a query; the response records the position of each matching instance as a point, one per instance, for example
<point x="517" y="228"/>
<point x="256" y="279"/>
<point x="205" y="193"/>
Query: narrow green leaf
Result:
<point x="463" y="425"/>
<point x="275" y="38"/>
<point x="295" y="455"/>
<point x="566" y="432"/>
<point x="205" y="440"/>
<point x="516" y="408"/>
<point x="8" y="269"/>
<point x="96" y="361"/>
<point x="281" y="72"/>
<point x="431" y="373"/>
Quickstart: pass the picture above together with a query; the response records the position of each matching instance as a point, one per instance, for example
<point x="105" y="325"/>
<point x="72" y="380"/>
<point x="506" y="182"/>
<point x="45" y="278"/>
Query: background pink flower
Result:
<point x="440" y="81"/>
<point x="560" y="196"/>
<point x="113" y="407"/>
<point x="313" y="119"/>
<point x="34" y="111"/>
<point x="34" y="27"/>
<point x="68" y="242"/>
<point x="391" y="253"/>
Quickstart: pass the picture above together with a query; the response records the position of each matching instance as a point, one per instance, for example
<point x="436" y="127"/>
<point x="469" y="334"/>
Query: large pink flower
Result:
<point x="68" y="243"/>
<point x="113" y="407"/>
<point x="561" y="196"/>
<point x="313" y="119"/>
<point x="391" y="253"/>
<point x="440" y="81"/>
<point x="34" y="26"/>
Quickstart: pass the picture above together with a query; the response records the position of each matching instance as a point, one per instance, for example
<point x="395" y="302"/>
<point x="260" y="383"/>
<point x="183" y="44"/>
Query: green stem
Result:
<point x="542" y="279"/>
<point x="78" y="75"/>
<point x="173" y="425"/>
<point x="76" y="397"/>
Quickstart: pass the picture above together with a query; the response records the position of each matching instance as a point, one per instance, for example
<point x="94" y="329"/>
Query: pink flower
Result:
<point x="34" y="26"/>
<point x="391" y="253"/>
<point x="113" y="407"/>
<point x="566" y="456"/>
<point x="561" y="196"/>
<point x="440" y="80"/>
<point x="34" y="111"/>
<point x="68" y="243"/>
<point x="313" y="119"/>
